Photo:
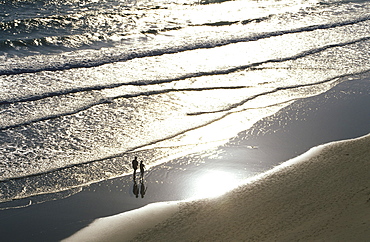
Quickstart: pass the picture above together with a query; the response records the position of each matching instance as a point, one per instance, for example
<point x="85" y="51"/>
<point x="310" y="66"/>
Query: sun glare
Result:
<point x="214" y="183"/>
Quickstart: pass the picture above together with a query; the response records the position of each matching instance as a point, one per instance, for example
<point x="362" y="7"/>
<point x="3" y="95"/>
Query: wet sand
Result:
<point x="341" y="113"/>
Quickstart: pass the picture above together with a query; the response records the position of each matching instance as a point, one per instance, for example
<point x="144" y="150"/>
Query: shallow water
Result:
<point x="338" y="114"/>
<point x="87" y="85"/>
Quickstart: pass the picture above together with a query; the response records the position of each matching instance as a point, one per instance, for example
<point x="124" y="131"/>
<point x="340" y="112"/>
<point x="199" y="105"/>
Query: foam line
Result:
<point x="130" y="56"/>
<point x="229" y="23"/>
<point x="109" y="100"/>
<point x="235" y="105"/>
<point x="183" y="77"/>
<point x="157" y="92"/>
<point x="62" y="92"/>
<point x="110" y="86"/>
<point x="253" y="65"/>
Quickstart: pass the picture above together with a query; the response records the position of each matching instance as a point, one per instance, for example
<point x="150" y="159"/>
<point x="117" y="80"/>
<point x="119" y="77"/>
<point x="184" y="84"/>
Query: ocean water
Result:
<point x="88" y="85"/>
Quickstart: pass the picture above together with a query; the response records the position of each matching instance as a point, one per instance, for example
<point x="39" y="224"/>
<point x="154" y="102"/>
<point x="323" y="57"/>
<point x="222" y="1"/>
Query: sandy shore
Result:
<point x="342" y="113"/>
<point x="322" y="195"/>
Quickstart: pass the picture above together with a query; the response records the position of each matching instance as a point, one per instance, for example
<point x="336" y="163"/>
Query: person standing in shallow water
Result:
<point x="134" y="165"/>
<point x="142" y="169"/>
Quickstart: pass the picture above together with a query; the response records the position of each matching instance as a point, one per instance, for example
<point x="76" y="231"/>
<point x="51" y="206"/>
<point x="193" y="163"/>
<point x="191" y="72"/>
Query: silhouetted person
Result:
<point x="135" y="163"/>
<point x="142" y="189"/>
<point x="135" y="190"/>
<point x="142" y="169"/>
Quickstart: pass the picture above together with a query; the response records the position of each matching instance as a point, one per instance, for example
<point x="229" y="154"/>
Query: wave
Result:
<point x="110" y="100"/>
<point x="183" y="77"/>
<point x="103" y="100"/>
<point x="98" y="61"/>
<point x="336" y="2"/>
<point x="57" y="34"/>
<point x="236" y="105"/>
<point x="57" y="38"/>
<point x="243" y="22"/>
<point x="26" y="9"/>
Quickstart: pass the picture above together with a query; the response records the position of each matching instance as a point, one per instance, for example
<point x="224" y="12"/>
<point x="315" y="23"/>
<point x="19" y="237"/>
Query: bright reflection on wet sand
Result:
<point x="213" y="184"/>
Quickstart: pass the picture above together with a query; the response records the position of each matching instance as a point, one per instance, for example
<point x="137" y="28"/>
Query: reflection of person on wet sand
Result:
<point x="134" y="165"/>
<point x="142" y="189"/>
<point x="135" y="190"/>
<point x="142" y="169"/>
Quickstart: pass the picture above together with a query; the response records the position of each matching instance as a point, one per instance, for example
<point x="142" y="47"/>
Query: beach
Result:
<point x="304" y="123"/>
<point x="216" y="98"/>
<point x="320" y="196"/>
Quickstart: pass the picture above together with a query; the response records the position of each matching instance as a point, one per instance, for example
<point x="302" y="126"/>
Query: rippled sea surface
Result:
<point x="87" y="85"/>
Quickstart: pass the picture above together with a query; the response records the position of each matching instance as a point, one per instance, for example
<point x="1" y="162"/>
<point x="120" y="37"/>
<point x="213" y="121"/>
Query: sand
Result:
<point x="322" y="195"/>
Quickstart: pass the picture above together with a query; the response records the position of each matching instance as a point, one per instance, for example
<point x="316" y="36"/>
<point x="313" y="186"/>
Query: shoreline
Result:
<point x="341" y="113"/>
<point x="318" y="195"/>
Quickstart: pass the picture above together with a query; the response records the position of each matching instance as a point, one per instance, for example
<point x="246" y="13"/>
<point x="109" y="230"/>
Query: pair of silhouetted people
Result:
<point x="135" y="164"/>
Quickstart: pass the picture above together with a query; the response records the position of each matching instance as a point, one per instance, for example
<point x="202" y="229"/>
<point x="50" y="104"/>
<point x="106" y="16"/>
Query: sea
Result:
<point x="87" y="85"/>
